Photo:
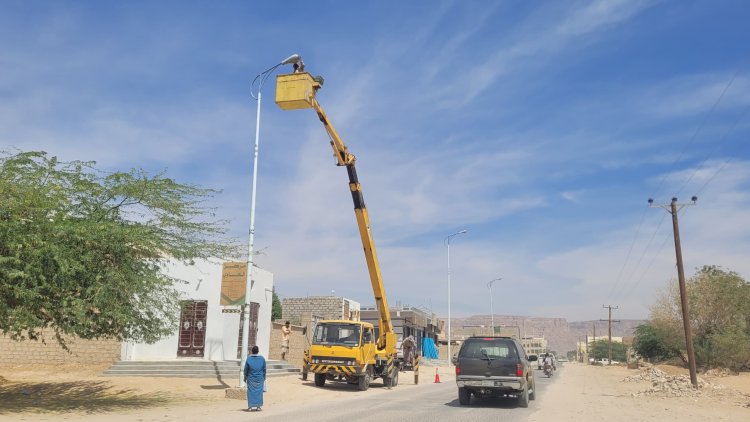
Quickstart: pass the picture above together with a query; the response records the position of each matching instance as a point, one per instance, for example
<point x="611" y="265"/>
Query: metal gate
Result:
<point x="253" y="335"/>
<point x="192" y="341"/>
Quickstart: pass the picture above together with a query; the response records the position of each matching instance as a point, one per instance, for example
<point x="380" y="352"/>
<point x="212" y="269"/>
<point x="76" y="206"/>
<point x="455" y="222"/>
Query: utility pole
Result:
<point x="609" y="354"/>
<point x="593" y="343"/>
<point x="673" y="208"/>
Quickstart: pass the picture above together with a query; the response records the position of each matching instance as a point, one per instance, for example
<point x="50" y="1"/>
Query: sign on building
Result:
<point x="233" y="282"/>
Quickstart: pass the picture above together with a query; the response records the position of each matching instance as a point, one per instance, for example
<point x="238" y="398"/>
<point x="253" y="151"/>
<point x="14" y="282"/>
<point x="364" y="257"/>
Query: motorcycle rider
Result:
<point x="549" y="361"/>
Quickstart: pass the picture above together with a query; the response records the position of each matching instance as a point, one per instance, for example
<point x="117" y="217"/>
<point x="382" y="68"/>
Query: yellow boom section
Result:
<point x="296" y="91"/>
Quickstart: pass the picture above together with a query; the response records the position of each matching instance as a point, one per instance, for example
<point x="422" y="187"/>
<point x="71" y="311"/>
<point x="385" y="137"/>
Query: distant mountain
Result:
<point x="561" y="335"/>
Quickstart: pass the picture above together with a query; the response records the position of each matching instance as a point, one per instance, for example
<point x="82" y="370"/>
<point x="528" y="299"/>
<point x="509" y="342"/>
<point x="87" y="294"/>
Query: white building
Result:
<point x="208" y="330"/>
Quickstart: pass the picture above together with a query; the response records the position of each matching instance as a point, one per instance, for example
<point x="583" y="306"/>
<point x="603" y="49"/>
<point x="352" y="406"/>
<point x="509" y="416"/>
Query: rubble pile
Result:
<point x="665" y="385"/>
<point x="719" y="372"/>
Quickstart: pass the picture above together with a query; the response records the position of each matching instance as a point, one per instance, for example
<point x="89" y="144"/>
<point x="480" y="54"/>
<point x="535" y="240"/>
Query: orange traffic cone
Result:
<point x="437" y="377"/>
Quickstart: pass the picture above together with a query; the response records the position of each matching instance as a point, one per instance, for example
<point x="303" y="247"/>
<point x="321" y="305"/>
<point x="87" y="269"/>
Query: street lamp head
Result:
<point x="650" y="201"/>
<point x="294" y="58"/>
<point x="674" y="199"/>
<point x="694" y="198"/>
<point x="462" y="231"/>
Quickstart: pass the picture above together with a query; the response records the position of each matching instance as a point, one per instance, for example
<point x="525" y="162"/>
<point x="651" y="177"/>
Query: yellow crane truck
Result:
<point x="342" y="350"/>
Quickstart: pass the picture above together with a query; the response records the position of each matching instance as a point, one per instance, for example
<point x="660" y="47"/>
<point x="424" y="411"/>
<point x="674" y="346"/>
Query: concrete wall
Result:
<point x="297" y="344"/>
<point x="35" y="352"/>
<point x="202" y="281"/>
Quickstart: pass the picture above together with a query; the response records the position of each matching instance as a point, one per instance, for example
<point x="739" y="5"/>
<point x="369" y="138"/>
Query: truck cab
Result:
<point x="346" y="351"/>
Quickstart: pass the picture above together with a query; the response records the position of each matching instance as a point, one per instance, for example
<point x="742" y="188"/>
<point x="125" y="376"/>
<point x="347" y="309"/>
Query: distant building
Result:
<point x="535" y="345"/>
<point x="461" y="334"/>
<point x="314" y="308"/>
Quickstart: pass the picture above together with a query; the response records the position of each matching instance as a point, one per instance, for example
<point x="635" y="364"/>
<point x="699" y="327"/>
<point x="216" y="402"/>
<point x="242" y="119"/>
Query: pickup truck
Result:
<point x="494" y="367"/>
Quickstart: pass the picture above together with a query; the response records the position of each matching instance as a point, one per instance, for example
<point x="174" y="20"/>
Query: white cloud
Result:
<point x="572" y="196"/>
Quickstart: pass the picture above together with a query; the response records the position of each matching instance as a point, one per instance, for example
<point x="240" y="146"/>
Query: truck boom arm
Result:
<point x="297" y="91"/>
<point x="347" y="159"/>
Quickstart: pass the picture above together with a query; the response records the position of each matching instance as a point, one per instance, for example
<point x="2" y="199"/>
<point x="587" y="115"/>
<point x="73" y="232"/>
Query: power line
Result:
<point x="627" y="257"/>
<point x="648" y="245"/>
<point x="648" y="267"/>
<point x="661" y="182"/>
<point x="651" y="263"/>
<point x="716" y="148"/>
<point x="699" y="128"/>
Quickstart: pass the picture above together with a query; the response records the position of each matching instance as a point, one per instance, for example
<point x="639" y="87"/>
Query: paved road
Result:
<point x="427" y="402"/>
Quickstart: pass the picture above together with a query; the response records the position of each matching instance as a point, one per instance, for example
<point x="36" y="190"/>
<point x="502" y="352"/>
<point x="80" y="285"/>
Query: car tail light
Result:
<point x="519" y="370"/>
<point x="458" y="370"/>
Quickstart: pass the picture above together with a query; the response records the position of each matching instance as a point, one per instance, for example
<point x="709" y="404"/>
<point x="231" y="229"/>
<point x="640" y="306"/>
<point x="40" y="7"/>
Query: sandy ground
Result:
<point x="594" y="393"/>
<point x="579" y="393"/>
<point x="80" y="393"/>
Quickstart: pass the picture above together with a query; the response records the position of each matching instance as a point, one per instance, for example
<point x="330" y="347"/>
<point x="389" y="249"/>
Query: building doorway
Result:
<point x="192" y="339"/>
<point x="253" y="335"/>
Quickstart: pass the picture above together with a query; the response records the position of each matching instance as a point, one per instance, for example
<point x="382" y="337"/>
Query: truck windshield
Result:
<point x="332" y="334"/>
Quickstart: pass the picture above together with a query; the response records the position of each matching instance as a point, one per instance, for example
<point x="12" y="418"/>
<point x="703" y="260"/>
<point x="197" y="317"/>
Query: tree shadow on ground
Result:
<point x="79" y="396"/>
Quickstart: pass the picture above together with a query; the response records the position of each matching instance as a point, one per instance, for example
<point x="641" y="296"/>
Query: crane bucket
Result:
<point x="295" y="90"/>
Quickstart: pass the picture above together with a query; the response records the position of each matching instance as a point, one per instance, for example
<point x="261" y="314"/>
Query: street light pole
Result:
<point x="492" y="310"/>
<point x="260" y="79"/>
<point x="448" y="244"/>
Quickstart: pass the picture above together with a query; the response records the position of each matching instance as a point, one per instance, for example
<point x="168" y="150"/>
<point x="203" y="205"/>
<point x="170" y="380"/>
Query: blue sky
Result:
<point x="541" y="127"/>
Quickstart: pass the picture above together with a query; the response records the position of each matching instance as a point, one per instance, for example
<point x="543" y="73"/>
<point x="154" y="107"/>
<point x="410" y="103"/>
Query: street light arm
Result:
<point x="261" y="77"/>
<point x="447" y="240"/>
<point x="491" y="282"/>
<point x="294" y="58"/>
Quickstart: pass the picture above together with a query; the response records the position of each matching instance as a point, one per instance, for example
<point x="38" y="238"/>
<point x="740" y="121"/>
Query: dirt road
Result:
<point x="595" y="393"/>
<point x="576" y="393"/>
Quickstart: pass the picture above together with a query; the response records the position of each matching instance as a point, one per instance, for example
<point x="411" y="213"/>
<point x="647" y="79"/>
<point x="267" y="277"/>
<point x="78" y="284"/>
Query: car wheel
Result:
<point x="464" y="396"/>
<point x="320" y="380"/>
<point x="523" y="398"/>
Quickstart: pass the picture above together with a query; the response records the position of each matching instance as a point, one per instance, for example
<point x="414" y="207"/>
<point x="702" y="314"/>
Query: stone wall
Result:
<point x="35" y="352"/>
<point x="327" y="307"/>
<point x="297" y="344"/>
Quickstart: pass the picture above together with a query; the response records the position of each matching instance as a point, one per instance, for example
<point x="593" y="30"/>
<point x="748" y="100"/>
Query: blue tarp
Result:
<point x="428" y="349"/>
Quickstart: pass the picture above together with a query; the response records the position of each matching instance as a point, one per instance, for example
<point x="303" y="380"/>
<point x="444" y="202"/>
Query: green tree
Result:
<point x="276" y="310"/>
<point x="719" y="303"/>
<point x="649" y="343"/>
<point x="600" y="350"/>
<point x="82" y="252"/>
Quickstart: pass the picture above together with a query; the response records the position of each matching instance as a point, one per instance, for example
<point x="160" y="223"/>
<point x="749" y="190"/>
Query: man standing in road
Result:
<point x="285" y="334"/>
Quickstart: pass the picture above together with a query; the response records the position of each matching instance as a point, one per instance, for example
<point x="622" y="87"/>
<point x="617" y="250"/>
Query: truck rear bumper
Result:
<point x="500" y="384"/>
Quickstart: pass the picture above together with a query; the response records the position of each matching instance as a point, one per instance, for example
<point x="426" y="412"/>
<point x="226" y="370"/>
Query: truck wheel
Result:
<point x="464" y="396"/>
<point x="320" y="380"/>
<point x="364" y="381"/>
<point x="523" y="398"/>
